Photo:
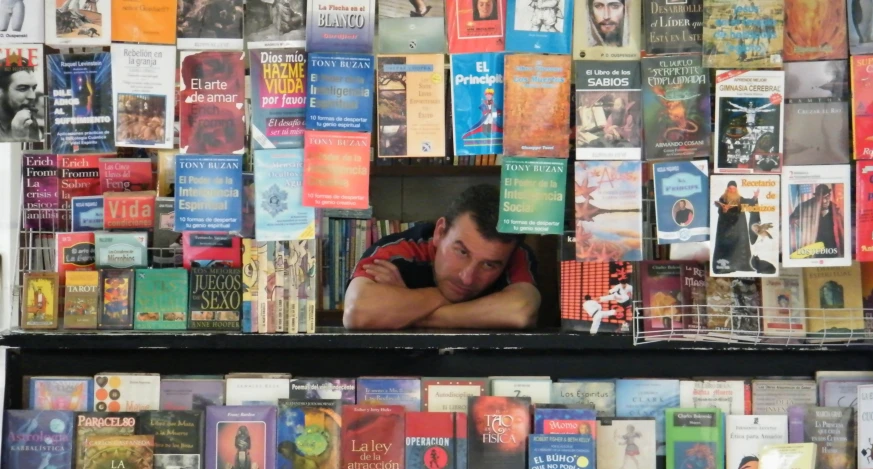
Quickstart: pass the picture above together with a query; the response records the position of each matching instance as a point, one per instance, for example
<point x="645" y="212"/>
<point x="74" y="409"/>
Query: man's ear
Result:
<point x="440" y="230"/>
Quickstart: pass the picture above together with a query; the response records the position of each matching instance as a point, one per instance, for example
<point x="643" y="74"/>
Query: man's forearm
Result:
<point x="513" y="308"/>
<point x="389" y="307"/>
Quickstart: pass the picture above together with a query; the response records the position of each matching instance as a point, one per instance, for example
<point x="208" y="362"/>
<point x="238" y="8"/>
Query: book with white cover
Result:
<point x="256" y="391"/>
<point x="22" y="22"/>
<point x="143" y="95"/>
<point x="865" y="426"/>
<point x="617" y="436"/>
<point x="746" y="435"/>
<point x="78" y="22"/>
<point x="784" y="305"/>
<point x="727" y="396"/>
<point x="539" y="390"/>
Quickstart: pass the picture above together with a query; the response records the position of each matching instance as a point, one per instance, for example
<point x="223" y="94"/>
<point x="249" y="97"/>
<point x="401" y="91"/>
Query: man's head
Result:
<point x="782" y="300"/>
<point x="587" y="297"/>
<point x="489" y="95"/>
<point x="749" y="462"/>
<point x="17" y="88"/>
<point x="608" y="16"/>
<point x="485" y="9"/>
<point x="823" y="193"/>
<point x="470" y="253"/>
<point x="681" y="205"/>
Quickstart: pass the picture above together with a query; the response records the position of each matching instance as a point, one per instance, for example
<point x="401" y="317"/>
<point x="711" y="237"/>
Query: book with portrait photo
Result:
<point x="608" y="110"/>
<point x="23" y="111"/>
<point x="475" y="26"/>
<point x="607" y="30"/>
<point x="274" y="24"/>
<point x="681" y="201"/>
<point x="539" y="26"/>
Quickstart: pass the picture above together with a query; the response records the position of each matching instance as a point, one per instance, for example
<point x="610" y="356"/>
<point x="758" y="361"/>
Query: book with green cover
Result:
<point x="161" y="300"/>
<point x="695" y="438"/>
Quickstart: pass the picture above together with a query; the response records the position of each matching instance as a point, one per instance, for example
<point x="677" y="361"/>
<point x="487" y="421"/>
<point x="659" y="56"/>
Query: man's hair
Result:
<point x="747" y="460"/>
<point x="587" y="297"/>
<point x="482" y="203"/>
<point x="782" y="297"/>
<point x="7" y="72"/>
<point x="591" y="2"/>
<point x="821" y="190"/>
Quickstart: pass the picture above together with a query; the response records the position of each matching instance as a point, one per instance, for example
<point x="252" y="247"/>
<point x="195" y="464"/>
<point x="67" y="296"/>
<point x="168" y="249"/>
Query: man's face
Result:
<point x="826" y="200"/>
<point x="466" y="263"/>
<point x="618" y="105"/>
<point x="750" y="465"/>
<point x="681" y="205"/>
<point x="489" y="97"/>
<point x="485" y="7"/>
<point x="783" y="302"/>
<point x="732" y="189"/>
<point x="608" y="15"/>
<point x="21" y="93"/>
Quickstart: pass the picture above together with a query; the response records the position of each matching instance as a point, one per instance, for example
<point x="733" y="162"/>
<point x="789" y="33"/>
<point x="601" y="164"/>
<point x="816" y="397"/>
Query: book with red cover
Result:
<point x="432" y="439"/>
<point x="212" y="113"/>
<point x="862" y="106"/>
<point x="662" y="296"/>
<point x="498" y="428"/>
<point x="128" y="210"/>
<point x="41" y="192"/>
<point x="75" y="251"/>
<point x="210" y="250"/>
<point x="79" y="177"/>
<point x="864" y="211"/>
<point x="125" y="175"/>
<point x="468" y="31"/>
<point x="336" y="169"/>
<point x="373" y="436"/>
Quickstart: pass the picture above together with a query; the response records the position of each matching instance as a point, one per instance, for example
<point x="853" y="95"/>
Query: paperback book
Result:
<point x="72" y="23"/>
<point x="143" y="95"/>
<point x="815" y="33"/>
<point x="275" y="25"/>
<point x="544" y="450"/>
<point x="604" y="31"/>
<point x="597" y="393"/>
<point x="117" y="300"/>
<point x="695" y="435"/>
<point x="373" y="434"/>
<point x="215" y="299"/>
<point x="643" y="398"/>
<point x="177" y="437"/>
<point x="783" y="302"/>
<point x="61" y="393"/>
<point x="541" y="27"/>
<point x="608" y="205"/>
<point x="340" y="25"/>
<point x="26" y="25"/>
<point x="200" y="27"/>
<point x="36" y="438"/>
<point x="862" y="105"/>
<point x="212" y="116"/>
<point x="280" y="214"/>
<point x="144" y="21"/>
<point x="681" y="204"/>
<point x="339" y="92"/>
<point x="419" y="28"/>
<point x="743" y="36"/>
<point x="608" y="110"/>
<point x="470" y="29"/>
<point x="662" y="297"/>
<point x="308" y="433"/>
<point x="40" y="306"/>
<point x="227" y="428"/>
<point x="81" y="109"/>
<point x="673" y="27"/>
<point x="29" y="117"/>
<point x="497" y="432"/>
<point x="477" y="103"/>
<point x="746" y="436"/>
<point x="278" y="97"/>
<point x="616" y="434"/>
<point x="161" y="299"/>
<point x="87" y="213"/>
<point x="208" y="193"/>
<point x="333" y="182"/>
<point x="834" y="303"/>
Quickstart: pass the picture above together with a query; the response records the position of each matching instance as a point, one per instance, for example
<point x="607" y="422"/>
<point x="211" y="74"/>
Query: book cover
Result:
<point x="405" y="392"/>
<point x="729" y="396"/>
<point x="744" y="220"/>
<point x="274" y="25"/>
<point x="144" y="21"/>
<point x="681" y="205"/>
<point x="840" y="392"/>
<point x="250" y="270"/>
<point x="622" y="441"/>
<point x="497" y="432"/>
<point x="38" y="439"/>
<point x="662" y="297"/>
<point x="411" y="105"/>
<point x="91" y="424"/>
<point x="817" y="117"/>
<point x="81" y="107"/>
<point x="783" y="313"/>
<point x="604" y="298"/>
<point x="248" y="205"/>
<point x="278" y="96"/>
<point x="695" y="437"/>
<point x="677" y="109"/>
<point x="815" y="33"/>
<point x="210" y="250"/>
<point x="832" y="429"/>
<point x="862" y="105"/>
<point x="40" y="305"/>
<point x="597" y="393"/>
<point x="177" y="437"/>
<point x="24" y="23"/>
<point x="308" y="434"/>
<point x="566" y="450"/>
<point x="212" y="114"/>
<point x="692" y="277"/>
<point x="75" y="23"/>
<point x="305" y="271"/>
<point x="565" y="421"/>
<point x="474" y="28"/>
<point x="126" y="392"/>
<point x="609" y="110"/>
<point x="608" y="203"/>
<point x="143" y="93"/>
<point x="864" y="211"/>
<point x="419" y="28"/>
<point x="749" y="117"/>
<point x="121" y="250"/>
<point x="774" y="397"/>
<point x="215" y="299"/>
<point x="834" y="302"/>
<point x="477" y="103"/>
<point x="541" y="27"/>
<point x="432" y="440"/>
<point x="741" y="36"/>
<point x="117" y="299"/>
<point x="208" y="193"/>
<point x="340" y="25"/>
<point x="341" y="389"/>
<point x="860" y="38"/>
<point x="87" y="213"/>
<point x="255" y="391"/>
<point x="241" y="435"/>
<point x="79" y="176"/>
<point x="266" y="311"/>
<point x="26" y="120"/>
<point x="129" y="210"/>
<point x="42" y="195"/>
<point x="191" y="393"/>
<point x="336" y="170"/>
<point x="279" y="213"/>
<point x="373" y="435"/>
<point x="532" y="195"/>
<point x="537" y="389"/>
<point x="161" y="299"/>
<point x="210" y="26"/>
<point x="339" y="90"/>
<point x="166" y="243"/>
<point x="450" y="394"/>
<point x="865" y="435"/>
<point x="603" y="30"/>
<point x="61" y="393"/>
<point x="537" y="85"/>
<point x="790" y="456"/>
<point x="816" y="213"/>
<point x="746" y="436"/>
<point x="125" y="175"/>
<point x="673" y="27"/>
<point x="75" y="251"/>
<point x="166" y="174"/>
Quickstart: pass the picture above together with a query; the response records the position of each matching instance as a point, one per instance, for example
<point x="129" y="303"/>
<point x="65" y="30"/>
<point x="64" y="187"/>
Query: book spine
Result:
<point x="280" y="287"/>
<point x="263" y="297"/>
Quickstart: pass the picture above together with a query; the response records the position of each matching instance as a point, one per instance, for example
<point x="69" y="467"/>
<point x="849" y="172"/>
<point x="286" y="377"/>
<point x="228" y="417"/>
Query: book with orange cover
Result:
<point x="144" y="21"/>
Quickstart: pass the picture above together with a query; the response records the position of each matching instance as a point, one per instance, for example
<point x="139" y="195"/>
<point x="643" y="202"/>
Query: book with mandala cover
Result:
<point x="279" y="212"/>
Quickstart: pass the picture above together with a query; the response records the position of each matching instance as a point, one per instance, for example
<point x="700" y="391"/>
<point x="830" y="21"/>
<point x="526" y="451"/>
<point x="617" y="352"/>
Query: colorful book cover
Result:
<point x="404" y="392"/>
<point x="340" y="92"/>
<point x="677" y="109"/>
<point x="432" y="440"/>
<point x="545" y="450"/>
<point x="662" y="297"/>
<point x="143" y="94"/>
<point x="477" y="103"/>
<point x="608" y="201"/>
<point x="81" y="109"/>
<point x="161" y="299"/>
<point x="308" y="433"/>
<point x="75" y="251"/>
<point x="532" y="195"/>
<point x="42" y="194"/>
<point x="127" y="392"/>
<point x="834" y="302"/>
<point x="28" y="123"/>
<point x="673" y="27"/>
<point x="24" y="25"/>
<point x="860" y="35"/>
<point x="864" y="211"/>
<point x="608" y="110"/>
<point x="815" y="33"/>
<point x="212" y="114"/>
<point x="275" y="25"/>
<point x="419" y="28"/>
<point x="695" y="437"/>
<point x="91" y="424"/>
<point x="749" y="116"/>
<point x="62" y="393"/>
<point x="255" y="390"/>
<point x="564" y="421"/>
<point x="605" y="297"/>
<point x="280" y="214"/>
<point x="250" y="263"/>
<point x="340" y="25"/>
<point x="201" y="26"/>
<point x="597" y="393"/>
<point x="604" y="30"/>
<point x="681" y="205"/>
<point x="411" y="106"/>
<point x="744" y="222"/>
<point x="784" y="306"/>
<point x="144" y="21"/>
<point x="210" y="250"/>
<point x="166" y="243"/>
<point x="166" y="175"/>
<point x="833" y="431"/>
<point x="472" y="27"/>
<point x="74" y="23"/>
<point x="746" y="436"/>
<point x="540" y="27"/>
<point x="129" y="210"/>
<point x="862" y="105"/>
<point x="497" y="431"/>
<point x="622" y="442"/>
<point x="537" y="86"/>
<point x="278" y="97"/>
<point x="191" y="393"/>
<point x="241" y="435"/>
<point x="40" y="308"/>
<point x="79" y="176"/>
<point x="208" y="193"/>
<point x="450" y="394"/>
<point x="38" y="439"/>
<point x="121" y="250"/>
<point x="342" y="389"/>
<point x="248" y="205"/>
<point x="116" y="303"/>
<point x="125" y="175"/>
<point x="693" y="277"/>
<point x="215" y="299"/>
<point x="336" y="170"/>
<point x="816" y="216"/>
<point x="743" y="35"/>
<point x="373" y="435"/>
<point x="87" y="213"/>
<point x="177" y="436"/>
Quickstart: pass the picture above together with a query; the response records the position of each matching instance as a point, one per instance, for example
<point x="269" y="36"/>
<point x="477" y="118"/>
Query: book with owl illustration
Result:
<point x="579" y="447"/>
<point x="279" y="211"/>
<point x="834" y="302"/>
<point x="40" y="301"/>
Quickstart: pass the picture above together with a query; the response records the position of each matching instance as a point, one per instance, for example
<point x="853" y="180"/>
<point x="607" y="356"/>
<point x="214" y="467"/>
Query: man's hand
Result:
<point x="385" y="273"/>
<point x="21" y="123"/>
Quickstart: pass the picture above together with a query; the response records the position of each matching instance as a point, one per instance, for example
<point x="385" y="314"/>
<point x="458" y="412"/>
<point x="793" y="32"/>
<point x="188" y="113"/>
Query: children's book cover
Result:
<point x="477" y="103"/>
<point x="61" y="393"/>
<point x="81" y="300"/>
<point x="537" y="119"/>
<point x="76" y="22"/>
<point x="26" y="119"/>
<point x="817" y="116"/>
<point x="144" y="21"/>
<point x="681" y="204"/>
<point x="241" y="436"/>
<point x="280" y="214"/>
<point x="411" y="105"/>
<point x="540" y="26"/>
<point x="278" y="98"/>
<point x="207" y="25"/>
<point x="418" y="28"/>
<point x="607" y="30"/>
<point x="473" y="26"/>
<point x="625" y="442"/>
<point x="38" y="439"/>
<point x="743" y="35"/>
<point x="744" y="222"/>
<point x="608" y="110"/>
<point x="23" y="23"/>
<point x="271" y="24"/>
<point x="208" y="193"/>
<point x="81" y="106"/>
<point x="308" y="433"/>
<point x="815" y="31"/>
<point x="609" y="219"/>
<point x="40" y="302"/>
<point x="605" y="295"/>
<point x="860" y="33"/>
<point x="816" y="216"/>
<point x="497" y="430"/>
<point x="673" y="27"/>
<point x="161" y="299"/>
<point x="340" y="25"/>
<point x="116" y="302"/>
<point x="339" y="90"/>
<point x="212" y="115"/>
<point x="143" y="95"/>
<point x="336" y="170"/>
<point x="862" y="104"/>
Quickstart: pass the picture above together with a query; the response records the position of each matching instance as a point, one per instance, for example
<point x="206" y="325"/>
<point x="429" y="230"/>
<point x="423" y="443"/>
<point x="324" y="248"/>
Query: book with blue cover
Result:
<point x="477" y="103"/>
<point x="561" y="451"/>
<point x="279" y="211"/>
<point x="682" y="201"/>
<point x="38" y="439"/>
<point x="339" y="90"/>
<point x="340" y="25"/>
<point x="61" y="393"/>
<point x="539" y="26"/>
<point x="208" y="193"/>
<point x="87" y="213"/>
<point x="308" y="433"/>
<point x="390" y="391"/>
<point x="647" y="398"/>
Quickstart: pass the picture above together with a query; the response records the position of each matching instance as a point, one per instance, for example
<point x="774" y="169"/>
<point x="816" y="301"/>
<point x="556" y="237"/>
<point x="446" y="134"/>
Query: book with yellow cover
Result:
<point x="834" y="302"/>
<point x="788" y="456"/>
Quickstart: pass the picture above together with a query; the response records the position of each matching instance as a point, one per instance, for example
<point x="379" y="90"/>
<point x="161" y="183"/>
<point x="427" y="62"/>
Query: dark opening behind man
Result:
<point x="456" y="273"/>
